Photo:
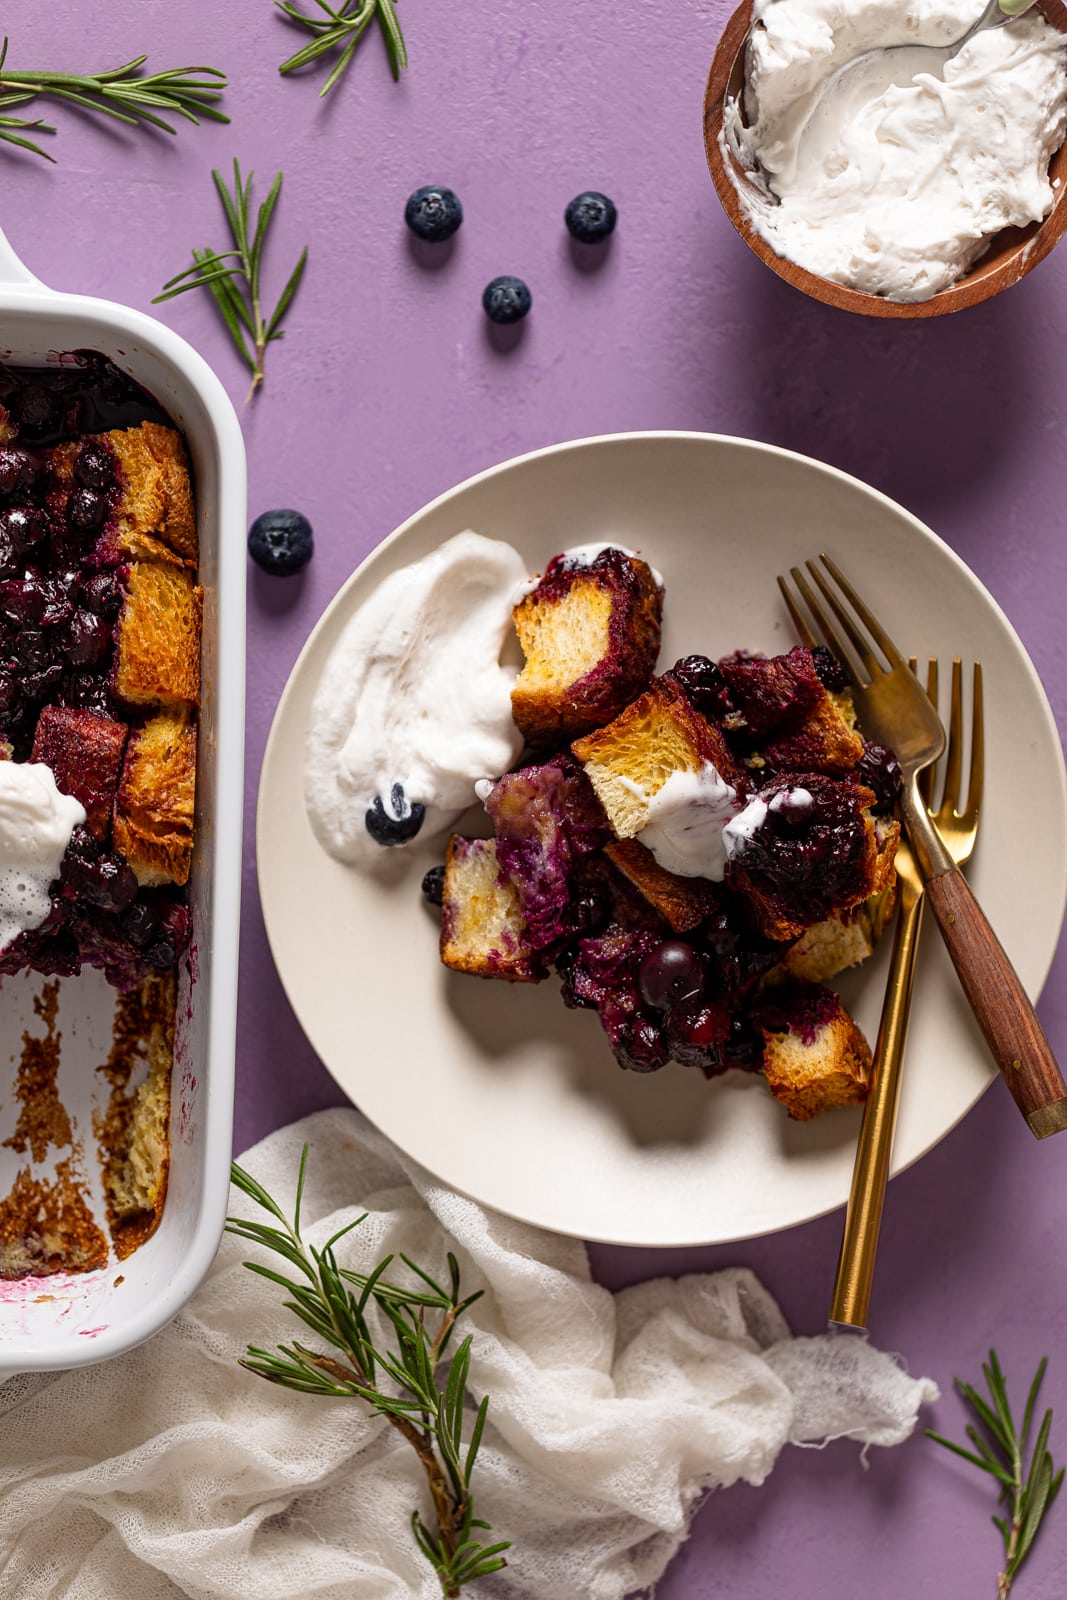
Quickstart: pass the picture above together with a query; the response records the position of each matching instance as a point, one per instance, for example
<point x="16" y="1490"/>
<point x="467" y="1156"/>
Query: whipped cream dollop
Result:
<point x="414" y="705"/>
<point x="894" y="180"/>
<point x="686" y="820"/>
<point x="36" y="822"/>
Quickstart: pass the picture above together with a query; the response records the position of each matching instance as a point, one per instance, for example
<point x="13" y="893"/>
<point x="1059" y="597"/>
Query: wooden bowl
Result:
<point x="1012" y="254"/>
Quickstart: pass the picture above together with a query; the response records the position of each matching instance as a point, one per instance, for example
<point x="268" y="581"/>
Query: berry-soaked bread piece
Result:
<point x="631" y="759"/>
<point x="848" y="937"/>
<point x="590" y="632"/>
<point x="130" y="489"/>
<point x="157" y="637"/>
<point x="84" y="750"/>
<point x="814" y="1055"/>
<point x="482" y="927"/>
<point x="806" y="847"/>
<point x="547" y="819"/>
<point x="785" y="714"/>
<point x="153" y="826"/>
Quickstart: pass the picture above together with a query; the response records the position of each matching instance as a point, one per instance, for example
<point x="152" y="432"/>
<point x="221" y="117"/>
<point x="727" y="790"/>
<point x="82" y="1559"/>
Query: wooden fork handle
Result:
<point x="1000" y="1004"/>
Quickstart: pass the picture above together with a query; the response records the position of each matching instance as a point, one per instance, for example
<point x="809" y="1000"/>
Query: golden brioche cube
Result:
<point x="482" y="926"/>
<point x="155" y="517"/>
<point x="157" y="637"/>
<point x="682" y="902"/>
<point x="153" y="820"/>
<point x="631" y="759"/>
<point x="815" y="1064"/>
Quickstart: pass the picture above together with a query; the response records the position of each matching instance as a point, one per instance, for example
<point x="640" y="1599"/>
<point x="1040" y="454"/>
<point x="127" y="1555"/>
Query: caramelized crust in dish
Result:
<point x="157" y="638"/>
<point x="153" y="825"/>
<point x="84" y="750"/>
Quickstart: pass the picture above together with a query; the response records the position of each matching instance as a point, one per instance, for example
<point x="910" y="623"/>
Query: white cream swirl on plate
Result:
<point x="415" y="704"/>
<point x="895" y="187"/>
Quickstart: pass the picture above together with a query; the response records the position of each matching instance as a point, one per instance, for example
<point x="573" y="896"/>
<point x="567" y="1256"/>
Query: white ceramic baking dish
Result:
<point x="75" y="1318"/>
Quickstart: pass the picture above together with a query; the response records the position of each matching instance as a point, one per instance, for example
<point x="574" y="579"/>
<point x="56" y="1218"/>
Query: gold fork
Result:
<point x="959" y="829"/>
<point x="895" y="711"/>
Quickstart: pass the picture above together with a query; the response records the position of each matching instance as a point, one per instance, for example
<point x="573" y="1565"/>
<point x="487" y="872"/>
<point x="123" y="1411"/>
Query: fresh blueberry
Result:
<point x="397" y="825"/>
<point x="433" y="886"/>
<point x="506" y="300"/>
<point x="433" y="213"/>
<point x="281" y="542"/>
<point x="591" y="217"/>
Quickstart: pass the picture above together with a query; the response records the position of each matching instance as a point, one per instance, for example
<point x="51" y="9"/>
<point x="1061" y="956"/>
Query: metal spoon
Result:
<point x="910" y="59"/>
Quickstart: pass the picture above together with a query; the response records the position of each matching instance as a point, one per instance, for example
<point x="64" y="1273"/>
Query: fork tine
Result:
<point x="800" y="622"/>
<point x="822" y="622"/>
<point x="954" y="750"/>
<point x="976" y="777"/>
<point x="858" y="642"/>
<point x="926" y="776"/>
<point x="866" y="616"/>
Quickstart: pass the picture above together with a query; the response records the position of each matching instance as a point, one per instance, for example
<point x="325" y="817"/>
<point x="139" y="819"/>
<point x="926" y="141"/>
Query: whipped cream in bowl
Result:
<point x="891" y="190"/>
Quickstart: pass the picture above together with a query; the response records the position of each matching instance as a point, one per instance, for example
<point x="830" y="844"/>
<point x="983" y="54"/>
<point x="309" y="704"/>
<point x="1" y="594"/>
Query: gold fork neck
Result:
<point x="929" y="847"/>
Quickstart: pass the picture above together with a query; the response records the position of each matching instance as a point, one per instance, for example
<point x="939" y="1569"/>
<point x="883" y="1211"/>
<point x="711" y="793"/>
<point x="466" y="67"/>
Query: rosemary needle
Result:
<point x="233" y="276"/>
<point x="341" y="28"/>
<point x="399" y="1384"/>
<point x="123" y="93"/>
<point x="1026" y="1492"/>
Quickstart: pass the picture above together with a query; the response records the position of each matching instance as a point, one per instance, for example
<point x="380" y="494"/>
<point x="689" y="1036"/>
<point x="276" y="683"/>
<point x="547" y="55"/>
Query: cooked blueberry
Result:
<point x="640" y="1046"/>
<point x="506" y="300"/>
<point x="829" y="670"/>
<point x="102" y="593"/>
<point x="591" y="217"/>
<point x="703" y="682"/>
<point x="879" y="769"/>
<point x="89" y="639"/>
<point x="86" y="510"/>
<point x="36" y="408"/>
<point x="671" y="972"/>
<point x="433" y="213"/>
<point x="141" y="923"/>
<point x="397" y="825"/>
<point x="433" y="886"/>
<point x="94" y="467"/>
<point x="696" y="1033"/>
<point x="17" y="469"/>
<point x="281" y="542"/>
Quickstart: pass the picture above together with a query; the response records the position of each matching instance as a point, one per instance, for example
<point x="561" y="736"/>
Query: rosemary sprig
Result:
<point x="399" y="1384"/>
<point x="1000" y="1450"/>
<point x="124" y="93"/>
<point x="233" y="276"/>
<point x="341" y="28"/>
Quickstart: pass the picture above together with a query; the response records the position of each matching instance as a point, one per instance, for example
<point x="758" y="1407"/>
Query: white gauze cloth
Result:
<point x="173" y="1471"/>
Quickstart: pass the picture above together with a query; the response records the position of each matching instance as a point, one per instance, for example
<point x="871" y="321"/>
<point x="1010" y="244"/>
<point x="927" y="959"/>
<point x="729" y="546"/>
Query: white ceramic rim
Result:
<point x="20" y="290"/>
<point x="339" y="601"/>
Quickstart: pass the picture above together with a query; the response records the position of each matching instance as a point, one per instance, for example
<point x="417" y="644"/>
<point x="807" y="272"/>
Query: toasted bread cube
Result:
<point x="683" y="903"/>
<point x="157" y="637"/>
<point x="816" y="1057"/>
<point x="482" y="928"/>
<point x="826" y="740"/>
<point x="631" y="759"/>
<point x="590" y="634"/>
<point x="155" y="518"/>
<point x="153" y="824"/>
<point x="84" y="750"/>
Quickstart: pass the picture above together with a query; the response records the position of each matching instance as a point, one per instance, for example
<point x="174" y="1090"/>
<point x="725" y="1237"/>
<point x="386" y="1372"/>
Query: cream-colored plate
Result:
<point x="499" y="1090"/>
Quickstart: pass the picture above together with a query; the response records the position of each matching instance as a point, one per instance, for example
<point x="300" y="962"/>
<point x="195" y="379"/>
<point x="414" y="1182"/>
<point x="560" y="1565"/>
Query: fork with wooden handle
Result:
<point x="895" y="711"/>
<point x="958" y="826"/>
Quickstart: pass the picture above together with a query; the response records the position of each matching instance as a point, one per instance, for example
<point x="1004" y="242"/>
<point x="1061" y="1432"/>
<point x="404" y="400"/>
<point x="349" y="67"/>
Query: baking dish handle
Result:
<point x="11" y="269"/>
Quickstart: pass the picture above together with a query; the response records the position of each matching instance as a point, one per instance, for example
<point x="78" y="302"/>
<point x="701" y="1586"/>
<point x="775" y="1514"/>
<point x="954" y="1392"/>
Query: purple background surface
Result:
<point x="389" y="389"/>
